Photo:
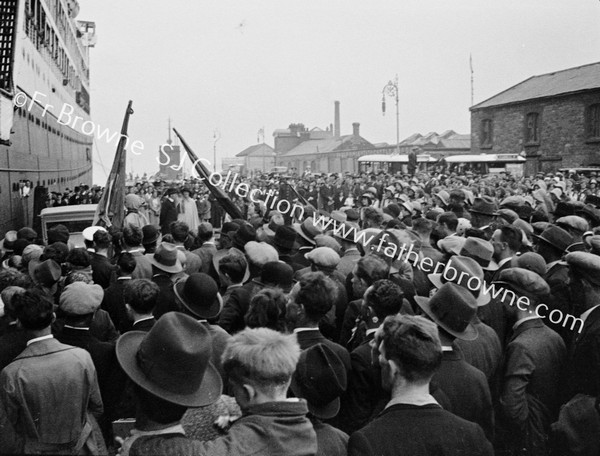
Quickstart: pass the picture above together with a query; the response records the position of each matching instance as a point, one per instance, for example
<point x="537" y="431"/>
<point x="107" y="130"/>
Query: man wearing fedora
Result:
<point x="306" y="233"/>
<point x="260" y="364"/>
<point x="483" y="211"/>
<point x="321" y="379"/>
<point x="49" y="395"/>
<point x="165" y="266"/>
<point x="168" y="210"/>
<point x="409" y="352"/>
<point x="198" y="296"/>
<point x="452" y="308"/>
<point x="285" y="243"/>
<point x="534" y="357"/>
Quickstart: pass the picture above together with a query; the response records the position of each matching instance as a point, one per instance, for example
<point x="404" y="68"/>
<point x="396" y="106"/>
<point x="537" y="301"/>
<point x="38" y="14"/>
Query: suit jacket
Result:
<point x="167" y="301"/>
<point x="219" y="338"/>
<point x="582" y="374"/>
<point x="193" y="263"/>
<point x="558" y="280"/>
<point x="236" y="302"/>
<point x="102" y="270"/>
<point x="114" y="304"/>
<point x="168" y="214"/>
<point x="348" y="261"/>
<point x="299" y="257"/>
<point x="467" y="389"/>
<point x="427" y="430"/>
<point x="206" y="253"/>
<point x="485" y="352"/>
<point x="534" y="359"/>
<point x="144" y="325"/>
<point x="143" y="267"/>
<point x="309" y="338"/>
<point x="330" y="441"/>
<point x="11" y="344"/>
<point x="490" y="276"/>
<point x="46" y="393"/>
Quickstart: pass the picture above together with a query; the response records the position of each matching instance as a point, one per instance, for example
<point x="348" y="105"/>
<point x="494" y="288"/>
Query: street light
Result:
<point x="391" y="90"/>
<point x="216" y="137"/>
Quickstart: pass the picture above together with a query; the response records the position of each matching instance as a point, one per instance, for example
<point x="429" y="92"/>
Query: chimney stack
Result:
<point x="336" y="130"/>
<point x="356" y="129"/>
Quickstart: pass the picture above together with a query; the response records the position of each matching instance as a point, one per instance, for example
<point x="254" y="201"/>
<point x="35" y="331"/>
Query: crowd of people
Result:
<point x="189" y="332"/>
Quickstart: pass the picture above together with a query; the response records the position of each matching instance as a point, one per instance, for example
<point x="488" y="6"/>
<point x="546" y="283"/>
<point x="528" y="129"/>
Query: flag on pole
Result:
<point x="204" y="174"/>
<point x="111" y="207"/>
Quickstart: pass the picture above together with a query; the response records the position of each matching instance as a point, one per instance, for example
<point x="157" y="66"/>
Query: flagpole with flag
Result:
<point x="203" y="172"/>
<point x="111" y="207"/>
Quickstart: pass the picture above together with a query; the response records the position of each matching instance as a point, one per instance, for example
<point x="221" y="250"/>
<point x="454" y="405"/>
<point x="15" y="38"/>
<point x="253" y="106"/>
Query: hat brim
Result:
<point x="207" y="393"/>
<point x="482" y="299"/>
<point x="177" y="267"/>
<point x="470" y="332"/>
<point x="547" y="242"/>
<point x="298" y="230"/>
<point x="206" y="313"/>
<point x="323" y="412"/>
<point x="220" y="254"/>
<point x="493" y="266"/>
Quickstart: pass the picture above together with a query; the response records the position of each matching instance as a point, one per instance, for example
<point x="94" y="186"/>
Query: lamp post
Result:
<point x="216" y="137"/>
<point x="391" y="90"/>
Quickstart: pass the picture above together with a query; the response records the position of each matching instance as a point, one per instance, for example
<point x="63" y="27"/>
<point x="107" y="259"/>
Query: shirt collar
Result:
<point x="550" y="265"/>
<point x="75" y="327"/>
<point x="412" y="400"/>
<point x="504" y="261"/>
<point x="235" y="285"/>
<point x="123" y="278"/>
<point x="523" y="320"/>
<point x="447" y="349"/>
<point x="370" y="331"/>
<point x="297" y="330"/>
<point x="39" y="339"/>
<point x="143" y="319"/>
<point x="587" y="313"/>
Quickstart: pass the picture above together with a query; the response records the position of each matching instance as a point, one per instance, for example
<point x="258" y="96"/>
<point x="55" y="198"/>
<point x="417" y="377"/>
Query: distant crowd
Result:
<point x="188" y="331"/>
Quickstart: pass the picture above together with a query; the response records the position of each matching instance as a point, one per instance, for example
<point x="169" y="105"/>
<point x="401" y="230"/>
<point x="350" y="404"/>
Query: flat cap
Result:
<point x="573" y="222"/>
<point x="80" y="298"/>
<point x="324" y="257"/>
<point x="585" y="264"/>
<point x="530" y="261"/>
<point x="524" y="282"/>
<point x="260" y="253"/>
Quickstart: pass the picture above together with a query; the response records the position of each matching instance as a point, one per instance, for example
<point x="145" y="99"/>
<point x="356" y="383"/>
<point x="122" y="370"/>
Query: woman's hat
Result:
<point x="172" y="361"/>
<point x="200" y="295"/>
<point x="452" y="308"/>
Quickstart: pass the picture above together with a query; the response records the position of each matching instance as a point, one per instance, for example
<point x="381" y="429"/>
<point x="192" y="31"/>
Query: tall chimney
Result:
<point x="356" y="129"/>
<point x="336" y="128"/>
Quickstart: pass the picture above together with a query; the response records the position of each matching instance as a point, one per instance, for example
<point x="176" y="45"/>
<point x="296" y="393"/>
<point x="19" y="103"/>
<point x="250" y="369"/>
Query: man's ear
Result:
<point x="53" y="317"/>
<point x="249" y="392"/>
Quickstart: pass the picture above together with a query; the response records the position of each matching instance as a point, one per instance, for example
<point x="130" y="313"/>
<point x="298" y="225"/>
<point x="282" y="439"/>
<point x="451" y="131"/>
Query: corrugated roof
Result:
<point x="317" y="146"/>
<point x="256" y="148"/>
<point x="585" y="77"/>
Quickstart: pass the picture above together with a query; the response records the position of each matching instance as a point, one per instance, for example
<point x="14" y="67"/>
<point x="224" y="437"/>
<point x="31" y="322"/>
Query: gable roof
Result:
<point x="585" y="77"/>
<point x="321" y="146"/>
<point x="268" y="150"/>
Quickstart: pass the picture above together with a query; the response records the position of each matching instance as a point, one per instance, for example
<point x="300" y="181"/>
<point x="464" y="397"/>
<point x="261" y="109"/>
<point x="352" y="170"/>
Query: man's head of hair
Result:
<point x="205" y="232"/>
<point x="512" y="236"/>
<point x="413" y="344"/>
<point x="33" y="310"/>
<point x="317" y="294"/>
<point x="422" y="226"/>
<point x="132" y="235"/>
<point x="264" y="358"/>
<point x="385" y="298"/>
<point x="449" y="219"/>
<point x="141" y="295"/>
<point x="372" y="268"/>
<point x="79" y="257"/>
<point x="180" y="231"/>
<point x="126" y="263"/>
<point x="102" y="240"/>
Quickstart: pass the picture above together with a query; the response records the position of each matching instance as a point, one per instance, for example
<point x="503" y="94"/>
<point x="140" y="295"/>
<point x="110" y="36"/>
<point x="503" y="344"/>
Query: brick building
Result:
<point x="260" y="157"/>
<point x="553" y="120"/>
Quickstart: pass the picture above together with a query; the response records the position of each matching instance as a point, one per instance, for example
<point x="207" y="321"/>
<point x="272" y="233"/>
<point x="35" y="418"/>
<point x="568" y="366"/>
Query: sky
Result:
<point x="235" y="66"/>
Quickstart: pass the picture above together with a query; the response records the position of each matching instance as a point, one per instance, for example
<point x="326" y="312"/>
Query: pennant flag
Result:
<point x="111" y="208"/>
<point x="204" y="174"/>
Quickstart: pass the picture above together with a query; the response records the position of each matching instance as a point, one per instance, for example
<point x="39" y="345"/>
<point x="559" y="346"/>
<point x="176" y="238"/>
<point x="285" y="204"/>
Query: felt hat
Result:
<point x="172" y="361"/>
<point x="485" y="205"/>
<point x="285" y="237"/>
<point x="88" y="233"/>
<point x="339" y="216"/>
<point x="507" y="214"/>
<point x="220" y="254"/>
<point x="323" y="240"/>
<point x="461" y="270"/>
<point x="451" y="244"/>
<point x="591" y="213"/>
<point x="392" y="209"/>
<point x="9" y="240"/>
<point x="452" y="308"/>
<point x="80" y="298"/>
<point x="531" y="261"/>
<point x="166" y="258"/>
<point x="200" y="295"/>
<point x="444" y="196"/>
<point x="321" y="379"/>
<point x="171" y="191"/>
<point x="555" y="237"/>
<point x="47" y="273"/>
<point x="593" y="200"/>
<point x="323" y="257"/>
<point x="346" y="232"/>
<point x="243" y="235"/>
<point x="150" y="234"/>
<point x="260" y="253"/>
<point x="58" y="233"/>
<point x="27" y="233"/>
<point x="307" y="230"/>
<point x="352" y="215"/>
<point x="524" y="282"/>
<point x="279" y="274"/>
<point x="585" y="264"/>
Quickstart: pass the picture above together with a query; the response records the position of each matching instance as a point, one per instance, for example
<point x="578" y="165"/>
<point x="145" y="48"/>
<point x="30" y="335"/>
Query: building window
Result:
<point x="532" y="128"/>
<point x="486" y="133"/>
<point x="593" y="121"/>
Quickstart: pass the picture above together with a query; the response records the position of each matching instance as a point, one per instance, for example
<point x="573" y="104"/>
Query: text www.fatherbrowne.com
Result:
<point x="406" y="254"/>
